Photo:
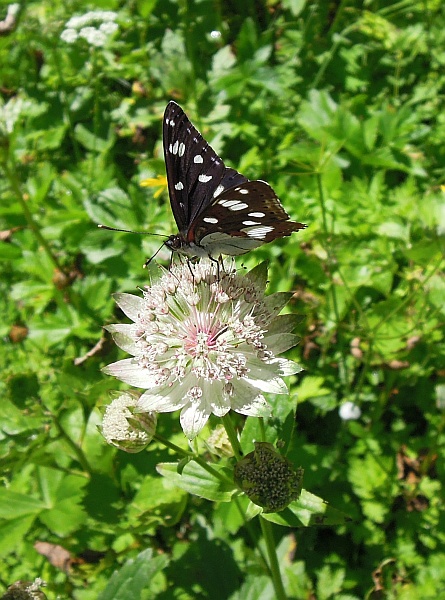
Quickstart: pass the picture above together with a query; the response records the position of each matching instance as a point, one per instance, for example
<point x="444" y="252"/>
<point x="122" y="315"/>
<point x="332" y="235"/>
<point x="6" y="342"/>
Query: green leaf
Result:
<point x="13" y="504"/>
<point x="13" y="532"/>
<point x="93" y="142"/>
<point x="63" y="496"/>
<point x="9" y="251"/>
<point x="198" y="481"/>
<point x="156" y="503"/>
<point x="134" y="577"/>
<point x="308" y="510"/>
<point x="295" y="6"/>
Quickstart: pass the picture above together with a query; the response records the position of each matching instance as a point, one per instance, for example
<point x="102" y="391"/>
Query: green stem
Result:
<point x="96" y="108"/>
<point x="76" y="449"/>
<point x="191" y="455"/>
<point x="344" y="373"/>
<point x="233" y="438"/>
<point x="222" y="478"/>
<point x="330" y="55"/>
<point x="66" y="109"/>
<point x="13" y="181"/>
<point x="277" y="581"/>
<point x="262" y="429"/>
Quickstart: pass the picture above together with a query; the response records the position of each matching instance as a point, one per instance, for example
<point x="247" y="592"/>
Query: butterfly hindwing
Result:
<point x="248" y="210"/>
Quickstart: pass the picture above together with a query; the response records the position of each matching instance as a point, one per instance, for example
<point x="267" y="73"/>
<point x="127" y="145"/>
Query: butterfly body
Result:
<point x="217" y="210"/>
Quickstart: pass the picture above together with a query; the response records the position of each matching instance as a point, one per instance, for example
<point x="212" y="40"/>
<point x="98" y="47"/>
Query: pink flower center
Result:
<point x="200" y="342"/>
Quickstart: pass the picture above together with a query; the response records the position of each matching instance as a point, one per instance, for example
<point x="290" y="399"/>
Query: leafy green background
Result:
<point x="340" y="106"/>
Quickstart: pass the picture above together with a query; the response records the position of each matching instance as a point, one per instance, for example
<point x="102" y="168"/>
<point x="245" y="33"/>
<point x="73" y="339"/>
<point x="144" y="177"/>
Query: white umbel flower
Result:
<point x="204" y="340"/>
<point x="94" y="26"/>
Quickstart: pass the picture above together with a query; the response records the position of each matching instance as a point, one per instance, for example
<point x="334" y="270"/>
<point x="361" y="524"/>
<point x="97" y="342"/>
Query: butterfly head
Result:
<point x="178" y="243"/>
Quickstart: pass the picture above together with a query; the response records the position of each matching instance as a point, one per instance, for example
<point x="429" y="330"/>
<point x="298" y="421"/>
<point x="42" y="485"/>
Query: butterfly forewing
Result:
<point x="194" y="170"/>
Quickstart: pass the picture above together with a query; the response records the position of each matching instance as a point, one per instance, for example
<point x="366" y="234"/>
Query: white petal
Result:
<point x="280" y="342"/>
<point x="272" y="385"/>
<point x="275" y="302"/>
<point x="128" y="329"/>
<point x="130" y="372"/>
<point x="284" y="324"/>
<point x="161" y="402"/>
<point x="124" y="337"/>
<point x="287" y="367"/>
<point x="258" y="275"/>
<point x="193" y="418"/>
<point x="257" y="408"/>
<point x="247" y="398"/>
<point x="130" y="304"/>
<point x="167" y="398"/>
<point x="212" y="393"/>
<point x="248" y="401"/>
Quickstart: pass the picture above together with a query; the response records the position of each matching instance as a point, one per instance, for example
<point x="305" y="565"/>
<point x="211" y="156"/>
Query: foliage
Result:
<point x="339" y="106"/>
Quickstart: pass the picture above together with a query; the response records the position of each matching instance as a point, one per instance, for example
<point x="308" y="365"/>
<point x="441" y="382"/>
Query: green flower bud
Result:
<point x="268" y="478"/>
<point x="125" y="428"/>
<point x="218" y="442"/>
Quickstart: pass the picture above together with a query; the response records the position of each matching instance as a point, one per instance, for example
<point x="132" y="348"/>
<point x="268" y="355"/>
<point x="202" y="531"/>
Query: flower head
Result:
<point x="94" y="26"/>
<point x="349" y="411"/>
<point x="25" y="590"/>
<point x="268" y="479"/>
<point x="124" y="429"/>
<point x="204" y="340"/>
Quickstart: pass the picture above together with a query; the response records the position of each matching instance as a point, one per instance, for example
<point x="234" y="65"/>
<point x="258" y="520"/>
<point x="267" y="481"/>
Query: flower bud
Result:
<point x="25" y="590"/>
<point x="268" y="478"/>
<point x="123" y="427"/>
<point x="219" y="443"/>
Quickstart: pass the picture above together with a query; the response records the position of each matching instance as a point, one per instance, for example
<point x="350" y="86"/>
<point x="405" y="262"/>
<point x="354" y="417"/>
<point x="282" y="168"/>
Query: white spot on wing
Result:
<point x="218" y="191"/>
<point x="233" y="204"/>
<point x="259" y="232"/>
<point x="179" y="186"/>
<point x="243" y="191"/>
<point x="204" y="178"/>
<point x="172" y="123"/>
<point x="258" y="215"/>
<point x="211" y="220"/>
<point x="251" y="223"/>
<point x="198" y="159"/>
<point x="181" y="149"/>
<point x="174" y="150"/>
<point x="239" y="206"/>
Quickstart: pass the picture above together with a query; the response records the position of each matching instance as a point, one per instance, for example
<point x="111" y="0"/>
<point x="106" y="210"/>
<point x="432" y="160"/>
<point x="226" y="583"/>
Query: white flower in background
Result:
<point x="95" y="27"/>
<point x="349" y="411"/>
<point x="11" y="112"/>
<point x="69" y="35"/>
<point x="122" y="428"/>
<point x="204" y="340"/>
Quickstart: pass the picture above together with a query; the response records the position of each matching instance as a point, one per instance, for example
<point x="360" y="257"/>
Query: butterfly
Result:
<point x="217" y="210"/>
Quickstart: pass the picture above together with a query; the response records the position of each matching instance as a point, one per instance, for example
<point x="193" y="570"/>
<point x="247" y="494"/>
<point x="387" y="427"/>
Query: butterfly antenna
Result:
<point x="130" y="231"/>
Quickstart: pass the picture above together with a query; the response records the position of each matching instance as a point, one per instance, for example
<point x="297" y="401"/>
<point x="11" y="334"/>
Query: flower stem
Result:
<point x="74" y="447"/>
<point x="344" y="371"/>
<point x="201" y="462"/>
<point x="13" y="181"/>
<point x="233" y="438"/>
<point x="222" y="478"/>
<point x="266" y="528"/>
